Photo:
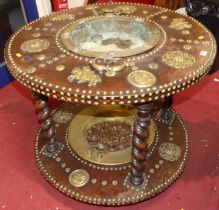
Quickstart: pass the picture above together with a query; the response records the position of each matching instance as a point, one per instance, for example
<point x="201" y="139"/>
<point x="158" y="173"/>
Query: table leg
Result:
<point x="166" y="111"/>
<point x="139" y="144"/>
<point x="46" y="122"/>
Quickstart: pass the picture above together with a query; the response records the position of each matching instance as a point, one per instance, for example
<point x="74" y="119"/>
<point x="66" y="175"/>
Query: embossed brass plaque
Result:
<point x="141" y="78"/>
<point x="79" y="178"/>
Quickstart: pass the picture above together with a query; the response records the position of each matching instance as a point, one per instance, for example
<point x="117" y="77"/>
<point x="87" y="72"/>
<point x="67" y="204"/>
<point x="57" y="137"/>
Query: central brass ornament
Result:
<point x="141" y="78"/>
<point x="79" y="178"/>
<point x="109" y="64"/>
<point x="120" y="10"/>
<point x="84" y="75"/>
<point x="34" y="45"/>
<point x="180" y="24"/>
<point x="170" y="151"/>
<point x="178" y="59"/>
<point x="123" y="36"/>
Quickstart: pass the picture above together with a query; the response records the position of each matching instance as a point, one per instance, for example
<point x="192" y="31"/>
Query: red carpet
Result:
<point x="23" y="188"/>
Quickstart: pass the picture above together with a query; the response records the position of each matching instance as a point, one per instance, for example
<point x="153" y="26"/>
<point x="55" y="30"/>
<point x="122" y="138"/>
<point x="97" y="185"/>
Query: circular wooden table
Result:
<point x="110" y="62"/>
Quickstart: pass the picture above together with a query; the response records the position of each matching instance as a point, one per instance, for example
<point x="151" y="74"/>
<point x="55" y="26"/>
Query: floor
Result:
<point x="23" y="188"/>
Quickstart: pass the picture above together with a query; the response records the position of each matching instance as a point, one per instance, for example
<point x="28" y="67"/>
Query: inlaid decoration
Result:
<point x="34" y="45"/>
<point x="120" y="10"/>
<point x="31" y="69"/>
<point x="79" y="178"/>
<point x="180" y="24"/>
<point x="153" y="65"/>
<point x="63" y="16"/>
<point x="62" y="117"/>
<point x="141" y="78"/>
<point x="36" y="35"/>
<point x="84" y="75"/>
<point x="178" y="59"/>
<point x="170" y="151"/>
<point x="187" y="47"/>
<point x="185" y="32"/>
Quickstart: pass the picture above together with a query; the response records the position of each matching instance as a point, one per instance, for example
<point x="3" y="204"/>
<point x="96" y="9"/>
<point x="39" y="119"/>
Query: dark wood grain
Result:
<point x="139" y="144"/>
<point x="46" y="122"/>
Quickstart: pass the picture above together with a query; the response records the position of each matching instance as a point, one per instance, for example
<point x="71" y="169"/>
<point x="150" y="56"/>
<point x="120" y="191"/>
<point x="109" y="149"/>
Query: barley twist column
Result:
<point x="140" y="144"/>
<point x="46" y="122"/>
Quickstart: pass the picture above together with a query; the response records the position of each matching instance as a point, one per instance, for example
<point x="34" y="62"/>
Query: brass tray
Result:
<point x="122" y="36"/>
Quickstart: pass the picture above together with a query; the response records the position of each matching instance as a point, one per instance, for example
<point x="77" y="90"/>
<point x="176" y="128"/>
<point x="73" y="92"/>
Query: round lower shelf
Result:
<point x="102" y="180"/>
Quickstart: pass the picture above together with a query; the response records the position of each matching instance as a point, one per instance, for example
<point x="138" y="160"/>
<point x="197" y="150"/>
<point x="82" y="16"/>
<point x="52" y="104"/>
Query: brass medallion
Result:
<point x="79" y="178"/>
<point x="141" y="78"/>
<point x="34" y="45"/>
<point x="63" y="16"/>
<point x="84" y="75"/>
<point x="178" y="59"/>
<point x="180" y="24"/>
<point x="62" y="117"/>
<point x="169" y="151"/>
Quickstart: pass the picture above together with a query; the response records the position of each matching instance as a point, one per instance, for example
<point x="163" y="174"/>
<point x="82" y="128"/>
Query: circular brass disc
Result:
<point x="141" y="78"/>
<point x="34" y="45"/>
<point x="79" y="178"/>
<point x="91" y="115"/>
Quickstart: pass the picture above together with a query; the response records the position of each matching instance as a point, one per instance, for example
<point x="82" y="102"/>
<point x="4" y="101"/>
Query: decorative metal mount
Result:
<point x="53" y="154"/>
<point x="167" y="115"/>
<point x="143" y="185"/>
<point x="197" y="8"/>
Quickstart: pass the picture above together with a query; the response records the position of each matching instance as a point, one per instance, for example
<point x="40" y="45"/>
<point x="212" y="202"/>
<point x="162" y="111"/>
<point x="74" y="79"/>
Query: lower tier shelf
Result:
<point x="99" y="174"/>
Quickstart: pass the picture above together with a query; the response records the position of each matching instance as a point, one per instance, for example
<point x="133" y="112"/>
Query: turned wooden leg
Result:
<point x="46" y="121"/>
<point x="166" y="112"/>
<point x="140" y="144"/>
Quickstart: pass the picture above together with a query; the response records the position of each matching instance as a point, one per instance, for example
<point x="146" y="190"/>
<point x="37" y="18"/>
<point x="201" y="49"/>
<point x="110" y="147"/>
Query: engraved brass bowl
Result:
<point x="92" y="115"/>
<point x="123" y="36"/>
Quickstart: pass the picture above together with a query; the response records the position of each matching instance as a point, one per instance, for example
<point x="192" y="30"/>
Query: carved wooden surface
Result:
<point x="46" y="122"/>
<point x="140" y="145"/>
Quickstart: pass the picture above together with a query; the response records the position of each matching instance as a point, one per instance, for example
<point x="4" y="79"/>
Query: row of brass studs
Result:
<point x="114" y="201"/>
<point x="208" y="63"/>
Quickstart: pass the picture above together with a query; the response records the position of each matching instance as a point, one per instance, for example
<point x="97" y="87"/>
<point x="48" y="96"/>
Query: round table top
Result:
<point x="71" y="55"/>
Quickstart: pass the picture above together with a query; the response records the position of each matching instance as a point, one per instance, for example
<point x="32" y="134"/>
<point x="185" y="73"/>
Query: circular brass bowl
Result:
<point x="92" y="115"/>
<point x="124" y="36"/>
